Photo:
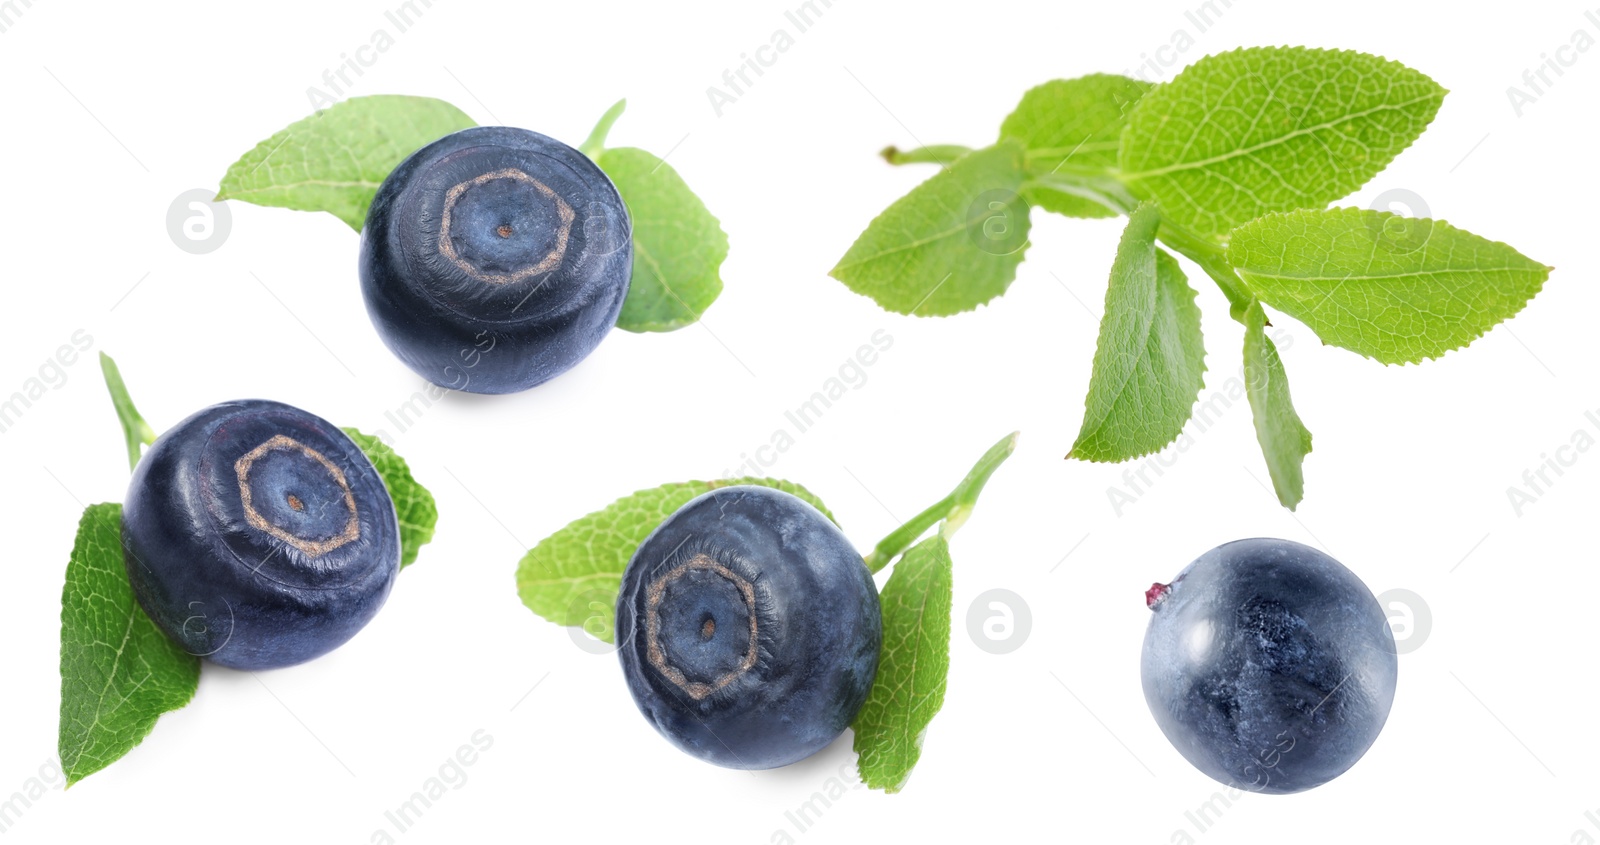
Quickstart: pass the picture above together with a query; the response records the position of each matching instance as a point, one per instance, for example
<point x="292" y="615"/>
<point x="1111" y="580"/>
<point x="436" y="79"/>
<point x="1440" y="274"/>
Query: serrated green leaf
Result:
<point x="678" y="246"/>
<point x="413" y="504"/>
<point x="571" y="577"/>
<point x="951" y="244"/>
<point x="1397" y="289"/>
<point x="1285" y="441"/>
<point x="1072" y="123"/>
<point x="912" y="667"/>
<point x="119" y="673"/>
<point x="1262" y="129"/>
<point x="1149" y="364"/>
<point x="336" y="159"/>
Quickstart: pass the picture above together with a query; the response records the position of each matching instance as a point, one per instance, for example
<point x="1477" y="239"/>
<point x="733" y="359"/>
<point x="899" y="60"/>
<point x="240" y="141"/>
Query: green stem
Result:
<point x="952" y="509"/>
<point x="1109" y="191"/>
<point x="137" y="432"/>
<point x="1100" y="188"/>
<point x="940" y="154"/>
<point x="1214" y="261"/>
<point x="595" y="144"/>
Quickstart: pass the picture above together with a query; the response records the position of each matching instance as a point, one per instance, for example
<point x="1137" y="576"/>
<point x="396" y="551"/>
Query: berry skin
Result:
<point x="1268" y="665"/>
<point x="749" y="628"/>
<point x="495" y="259"/>
<point x="257" y="535"/>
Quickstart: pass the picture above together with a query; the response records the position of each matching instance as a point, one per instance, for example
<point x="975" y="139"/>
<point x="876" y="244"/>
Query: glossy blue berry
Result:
<point x="257" y="535"/>
<point x="495" y="259"/>
<point x="748" y="628"/>
<point x="1268" y="665"/>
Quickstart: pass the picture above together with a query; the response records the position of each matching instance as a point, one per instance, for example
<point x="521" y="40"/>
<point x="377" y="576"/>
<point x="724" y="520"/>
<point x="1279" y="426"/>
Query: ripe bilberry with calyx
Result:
<point x="749" y="628"/>
<point x="495" y="259"/>
<point x="257" y="535"/>
<point x="750" y="631"/>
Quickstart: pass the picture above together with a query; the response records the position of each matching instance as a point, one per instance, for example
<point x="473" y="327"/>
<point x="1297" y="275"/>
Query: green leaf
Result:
<point x="413" y="504"/>
<point x="571" y="577"/>
<point x="1285" y="442"/>
<point x="1397" y="289"/>
<point x="1070" y="124"/>
<point x="951" y="244"/>
<point x="1149" y="364"/>
<point x="135" y="430"/>
<point x="119" y="673"/>
<point x="1262" y="129"/>
<point x="335" y="160"/>
<point x="678" y="246"/>
<point x="912" y="667"/>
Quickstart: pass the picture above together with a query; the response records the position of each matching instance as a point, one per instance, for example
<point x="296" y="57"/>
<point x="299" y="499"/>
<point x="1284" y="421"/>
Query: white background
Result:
<point x="117" y="108"/>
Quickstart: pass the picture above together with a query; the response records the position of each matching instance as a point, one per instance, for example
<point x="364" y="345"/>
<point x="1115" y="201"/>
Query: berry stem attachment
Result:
<point x="135" y="430"/>
<point x="952" y="510"/>
<point x="596" y="142"/>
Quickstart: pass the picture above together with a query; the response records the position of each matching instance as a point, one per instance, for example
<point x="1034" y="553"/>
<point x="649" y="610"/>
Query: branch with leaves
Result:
<point x="1232" y="165"/>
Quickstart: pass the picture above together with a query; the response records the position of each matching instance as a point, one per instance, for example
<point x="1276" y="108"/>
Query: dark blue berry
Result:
<point x="258" y="535"/>
<point x="748" y="628"/>
<point x="495" y="259"/>
<point x="1268" y="665"/>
